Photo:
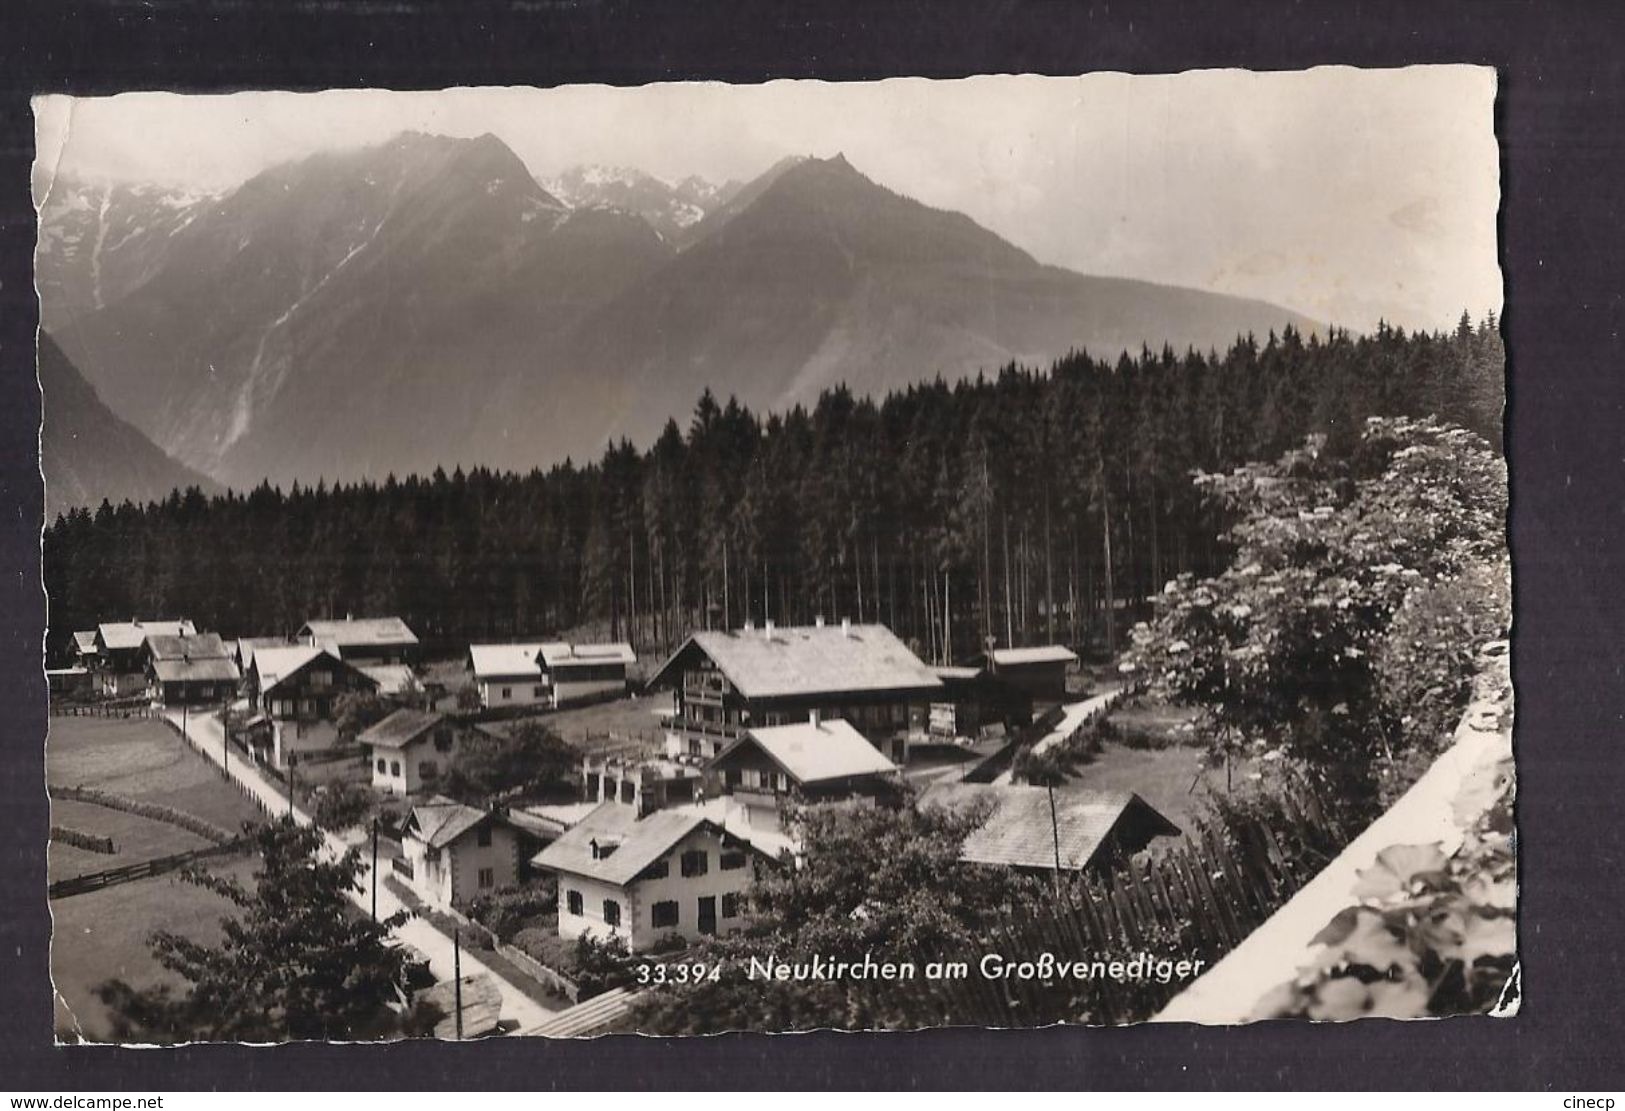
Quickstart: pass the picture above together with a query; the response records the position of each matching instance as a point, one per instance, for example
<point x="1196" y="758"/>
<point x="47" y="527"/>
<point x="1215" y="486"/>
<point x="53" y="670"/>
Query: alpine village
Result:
<point x="943" y="676"/>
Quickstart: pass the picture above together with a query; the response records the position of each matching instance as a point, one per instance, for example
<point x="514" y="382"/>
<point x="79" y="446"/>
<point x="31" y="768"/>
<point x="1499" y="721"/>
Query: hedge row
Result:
<point x="190" y="822"/>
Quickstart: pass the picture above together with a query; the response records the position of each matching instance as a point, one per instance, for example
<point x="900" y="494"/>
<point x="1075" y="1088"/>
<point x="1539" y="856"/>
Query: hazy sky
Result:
<point x="1346" y="194"/>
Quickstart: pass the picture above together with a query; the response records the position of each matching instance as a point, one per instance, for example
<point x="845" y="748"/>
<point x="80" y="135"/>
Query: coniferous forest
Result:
<point x="1029" y="506"/>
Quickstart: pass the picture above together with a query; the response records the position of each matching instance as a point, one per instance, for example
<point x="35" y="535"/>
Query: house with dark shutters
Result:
<point x="682" y="870"/>
<point x="410" y="751"/>
<point x="452" y="853"/>
<point x="119" y="653"/>
<point x="726" y="682"/>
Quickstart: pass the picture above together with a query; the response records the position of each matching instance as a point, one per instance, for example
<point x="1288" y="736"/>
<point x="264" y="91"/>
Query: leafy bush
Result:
<point x="341" y="805"/>
<point x="1280" y="650"/>
<point x="356" y="711"/>
<point x="595" y="966"/>
<point x="508" y="910"/>
<point x="530" y="760"/>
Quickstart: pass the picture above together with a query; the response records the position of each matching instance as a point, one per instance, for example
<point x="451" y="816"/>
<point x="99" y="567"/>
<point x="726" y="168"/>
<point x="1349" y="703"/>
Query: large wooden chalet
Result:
<point x="190" y="670"/>
<point x="725" y="683"/>
<point x="118" y="653"/>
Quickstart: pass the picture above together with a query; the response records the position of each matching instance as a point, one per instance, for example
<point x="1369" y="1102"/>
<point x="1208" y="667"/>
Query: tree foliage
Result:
<point x="1029" y="506"/>
<point x="1287" y="650"/>
<point x="531" y="759"/>
<point x="297" y="962"/>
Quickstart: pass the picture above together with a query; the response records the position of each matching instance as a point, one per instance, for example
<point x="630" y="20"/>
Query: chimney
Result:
<point x="819" y="621"/>
<point x="812" y="716"/>
<point x="846" y="627"/>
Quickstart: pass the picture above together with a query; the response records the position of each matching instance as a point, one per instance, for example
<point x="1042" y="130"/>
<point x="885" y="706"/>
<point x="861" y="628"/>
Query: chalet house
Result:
<point x="398" y="682"/>
<point x="1086" y="830"/>
<point x="550" y="673"/>
<point x="120" y="653"/>
<point x="1040" y="671"/>
<point x="409" y="751"/>
<point x="293" y="687"/>
<point x="683" y="870"/>
<point x="811" y="761"/>
<point x="190" y="670"/>
<point x="451" y="853"/>
<point x="299" y="682"/>
<point x="84" y="649"/>
<point x="726" y="683"/>
<point x="369" y="640"/>
<point x="645" y="785"/>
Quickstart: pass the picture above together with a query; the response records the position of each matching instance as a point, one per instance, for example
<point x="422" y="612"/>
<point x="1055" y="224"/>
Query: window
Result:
<point x="783" y="782"/>
<point x="538" y="691"/>
<point x="383" y="767"/>
<point x="321" y="680"/>
<point x="629" y="791"/>
<point x="696" y="863"/>
<point x="659" y="870"/>
<point x="394" y="767"/>
<point x="612" y="912"/>
<point x="488" y="878"/>
<point x="694" y="746"/>
<point x="442" y="740"/>
<point x="507" y="692"/>
<point x="732" y="861"/>
<point x="483" y="837"/>
<point x="663" y="914"/>
<point x="730" y="905"/>
<point x="428" y="769"/>
<point x="572" y="902"/>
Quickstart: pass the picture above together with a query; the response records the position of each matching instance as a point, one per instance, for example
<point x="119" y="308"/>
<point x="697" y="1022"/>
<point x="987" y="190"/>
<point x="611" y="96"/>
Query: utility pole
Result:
<point x="375" y="869"/>
<point x="292" y="759"/>
<point x="457" y="977"/>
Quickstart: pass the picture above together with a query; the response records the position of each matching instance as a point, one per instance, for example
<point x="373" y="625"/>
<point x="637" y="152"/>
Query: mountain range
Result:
<point x="87" y="453"/>
<point x="427" y="302"/>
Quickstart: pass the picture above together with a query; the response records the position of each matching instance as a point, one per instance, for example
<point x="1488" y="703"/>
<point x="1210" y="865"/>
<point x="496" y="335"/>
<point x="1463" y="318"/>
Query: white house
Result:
<point x="452" y="853"/>
<point x="409" y="751"/>
<point x="552" y="673"/>
<point x="682" y="870"/>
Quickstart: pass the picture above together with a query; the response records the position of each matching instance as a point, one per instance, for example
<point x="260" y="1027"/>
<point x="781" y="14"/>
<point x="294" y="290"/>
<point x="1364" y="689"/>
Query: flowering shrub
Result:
<point x="1287" y="650"/>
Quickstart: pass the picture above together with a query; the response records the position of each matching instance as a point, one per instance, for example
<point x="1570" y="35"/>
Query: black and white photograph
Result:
<point x="686" y="558"/>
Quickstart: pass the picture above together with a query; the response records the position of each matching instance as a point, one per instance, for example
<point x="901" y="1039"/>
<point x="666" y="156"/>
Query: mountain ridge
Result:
<point x="426" y="301"/>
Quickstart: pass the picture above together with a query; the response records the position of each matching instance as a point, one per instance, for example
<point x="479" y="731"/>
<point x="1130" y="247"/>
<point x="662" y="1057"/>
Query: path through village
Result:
<point x="207" y="735"/>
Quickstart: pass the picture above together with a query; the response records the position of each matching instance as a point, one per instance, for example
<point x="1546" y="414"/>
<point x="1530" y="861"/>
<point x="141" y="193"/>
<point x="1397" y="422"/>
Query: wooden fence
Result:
<point x="111" y="877"/>
<point x="101" y="710"/>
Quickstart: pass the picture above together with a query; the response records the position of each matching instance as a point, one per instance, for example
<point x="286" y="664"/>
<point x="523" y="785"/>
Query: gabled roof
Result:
<point x="84" y="642"/>
<point x="391" y="678"/>
<point x="400" y="728"/>
<point x="275" y="666"/>
<point x="358" y="632"/>
<point x="440" y="821"/>
<point x="1020" y="832"/>
<point x="505" y="661"/>
<point x="247" y="646"/>
<point x="639" y="842"/>
<point x="203" y="646"/>
<point x="129" y="634"/>
<point x="810" y="753"/>
<point x="208" y="669"/>
<point x="1044" y="654"/>
<point x="806" y="660"/>
<point x="555" y="655"/>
